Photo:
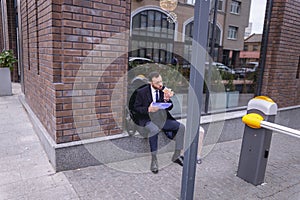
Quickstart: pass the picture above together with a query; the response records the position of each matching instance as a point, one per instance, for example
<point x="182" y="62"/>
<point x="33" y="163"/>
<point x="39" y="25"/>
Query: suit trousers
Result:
<point x="173" y="130"/>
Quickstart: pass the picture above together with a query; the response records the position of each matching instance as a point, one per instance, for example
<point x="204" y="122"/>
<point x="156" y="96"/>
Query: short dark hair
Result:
<point x="153" y="75"/>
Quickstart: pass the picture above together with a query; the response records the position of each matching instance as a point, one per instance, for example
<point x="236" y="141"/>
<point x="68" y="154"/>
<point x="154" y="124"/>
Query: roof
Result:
<point x="254" y="38"/>
<point x="249" y="54"/>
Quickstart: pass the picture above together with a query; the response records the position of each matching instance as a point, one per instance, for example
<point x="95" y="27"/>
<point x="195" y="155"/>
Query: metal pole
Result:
<point x="212" y="54"/>
<point x="264" y="47"/>
<point x="280" y="129"/>
<point x="4" y="19"/>
<point x="201" y="14"/>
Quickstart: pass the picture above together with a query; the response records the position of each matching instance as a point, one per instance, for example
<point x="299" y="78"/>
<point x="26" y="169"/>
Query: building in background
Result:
<point x="248" y="30"/>
<point x="252" y="46"/>
<point x="232" y="19"/>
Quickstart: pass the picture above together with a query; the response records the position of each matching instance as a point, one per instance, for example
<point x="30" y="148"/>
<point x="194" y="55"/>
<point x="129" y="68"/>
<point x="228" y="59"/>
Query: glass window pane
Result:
<point x="136" y="22"/>
<point x="150" y="18"/>
<point x="143" y="21"/>
<point x="142" y="53"/>
<point x="157" y="19"/>
<point x="163" y="56"/>
<point x="164" y="24"/>
<point x="163" y="46"/>
<point x="142" y="44"/>
<point x="220" y="5"/>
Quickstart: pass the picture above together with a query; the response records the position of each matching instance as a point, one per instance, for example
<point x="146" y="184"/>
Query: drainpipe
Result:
<point x="3" y="25"/>
<point x="264" y="47"/>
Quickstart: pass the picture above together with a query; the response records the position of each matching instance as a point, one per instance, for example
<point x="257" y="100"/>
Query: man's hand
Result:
<point x="152" y="108"/>
<point x="168" y="93"/>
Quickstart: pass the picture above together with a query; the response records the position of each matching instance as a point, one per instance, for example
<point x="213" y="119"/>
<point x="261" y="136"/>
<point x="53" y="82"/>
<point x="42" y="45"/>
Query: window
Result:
<point x="255" y="47"/>
<point x="152" y="36"/>
<point x="220" y="5"/>
<point x="232" y="32"/>
<point x="235" y="7"/>
<point x="192" y="2"/>
<point x="245" y="47"/>
<point x="189" y="37"/>
<point x="188" y="42"/>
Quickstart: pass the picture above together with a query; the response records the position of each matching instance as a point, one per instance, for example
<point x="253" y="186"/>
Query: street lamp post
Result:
<point x="201" y="14"/>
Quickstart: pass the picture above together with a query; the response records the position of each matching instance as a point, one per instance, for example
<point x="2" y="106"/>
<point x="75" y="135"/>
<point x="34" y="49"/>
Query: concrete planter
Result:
<point x="232" y="99"/>
<point x="5" y="82"/>
<point x="224" y="100"/>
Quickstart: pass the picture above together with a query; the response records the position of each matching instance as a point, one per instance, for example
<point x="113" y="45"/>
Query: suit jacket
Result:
<point x="141" y="104"/>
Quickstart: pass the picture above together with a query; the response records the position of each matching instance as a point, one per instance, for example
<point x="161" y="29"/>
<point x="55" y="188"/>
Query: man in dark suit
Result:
<point x="156" y="120"/>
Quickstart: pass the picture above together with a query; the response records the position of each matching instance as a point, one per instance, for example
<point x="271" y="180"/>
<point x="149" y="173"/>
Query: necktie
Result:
<point x="156" y="95"/>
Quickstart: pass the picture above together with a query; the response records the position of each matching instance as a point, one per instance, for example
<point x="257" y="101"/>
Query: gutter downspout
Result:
<point x="264" y="47"/>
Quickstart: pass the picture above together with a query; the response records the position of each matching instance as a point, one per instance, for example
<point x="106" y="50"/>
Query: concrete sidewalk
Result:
<point x="25" y="172"/>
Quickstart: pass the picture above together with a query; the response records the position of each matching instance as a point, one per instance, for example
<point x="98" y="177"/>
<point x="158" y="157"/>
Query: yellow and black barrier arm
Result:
<point x="256" y="121"/>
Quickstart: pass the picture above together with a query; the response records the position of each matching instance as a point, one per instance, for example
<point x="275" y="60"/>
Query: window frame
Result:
<point x="221" y="2"/>
<point x="152" y="34"/>
<point x="235" y="7"/>
<point x="255" y="47"/>
<point x="191" y="2"/>
<point x="232" y="31"/>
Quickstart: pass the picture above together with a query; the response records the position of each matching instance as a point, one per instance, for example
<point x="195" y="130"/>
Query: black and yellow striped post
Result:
<point x="256" y="141"/>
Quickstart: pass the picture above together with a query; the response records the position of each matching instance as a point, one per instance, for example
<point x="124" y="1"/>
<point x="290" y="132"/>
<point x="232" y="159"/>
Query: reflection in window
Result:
<point x="232" y="32"/>
<point x="192" y="2"/>
<point x="152" y="36"/>
<point x="188" y="42"/>
<point x="235" y="7"/>
<point x="189" y="37"/>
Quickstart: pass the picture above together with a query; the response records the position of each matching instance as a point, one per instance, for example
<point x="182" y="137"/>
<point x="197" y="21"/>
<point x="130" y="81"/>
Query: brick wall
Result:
<point x="38" y="60"/>
<point x="73" y="68"/>
<point x="280" y="80"/>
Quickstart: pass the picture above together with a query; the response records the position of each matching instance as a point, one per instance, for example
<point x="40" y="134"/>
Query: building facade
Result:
<point x="231" y="20"/>
<point x="281" y="74"/>
<point x="252" y="46"/>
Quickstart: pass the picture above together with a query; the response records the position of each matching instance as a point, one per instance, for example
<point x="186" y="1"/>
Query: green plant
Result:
<point x="7" y="59"/>
<point x="229" y="85"/>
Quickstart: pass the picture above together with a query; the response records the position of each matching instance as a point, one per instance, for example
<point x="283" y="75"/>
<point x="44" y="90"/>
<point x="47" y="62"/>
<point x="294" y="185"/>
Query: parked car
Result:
<point x="249" y="68"/>
<point x="221" y="67"/>
<point x="134" y="61"/>
<point x="240" y="72"/>
<point x="225" y="69"/>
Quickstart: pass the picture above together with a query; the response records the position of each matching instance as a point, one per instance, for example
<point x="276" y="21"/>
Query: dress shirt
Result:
<point x="153" y="92"/>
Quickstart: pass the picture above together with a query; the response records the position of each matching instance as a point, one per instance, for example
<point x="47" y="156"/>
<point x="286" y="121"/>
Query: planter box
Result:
<point x="224" y="100"/>
<point x="217" y="100"/>
<point x="232" y="99"/>
<point x="5" y="82"/>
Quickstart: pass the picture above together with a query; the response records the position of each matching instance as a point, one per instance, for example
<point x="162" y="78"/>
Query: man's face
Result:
<point x="157" y="83"/>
